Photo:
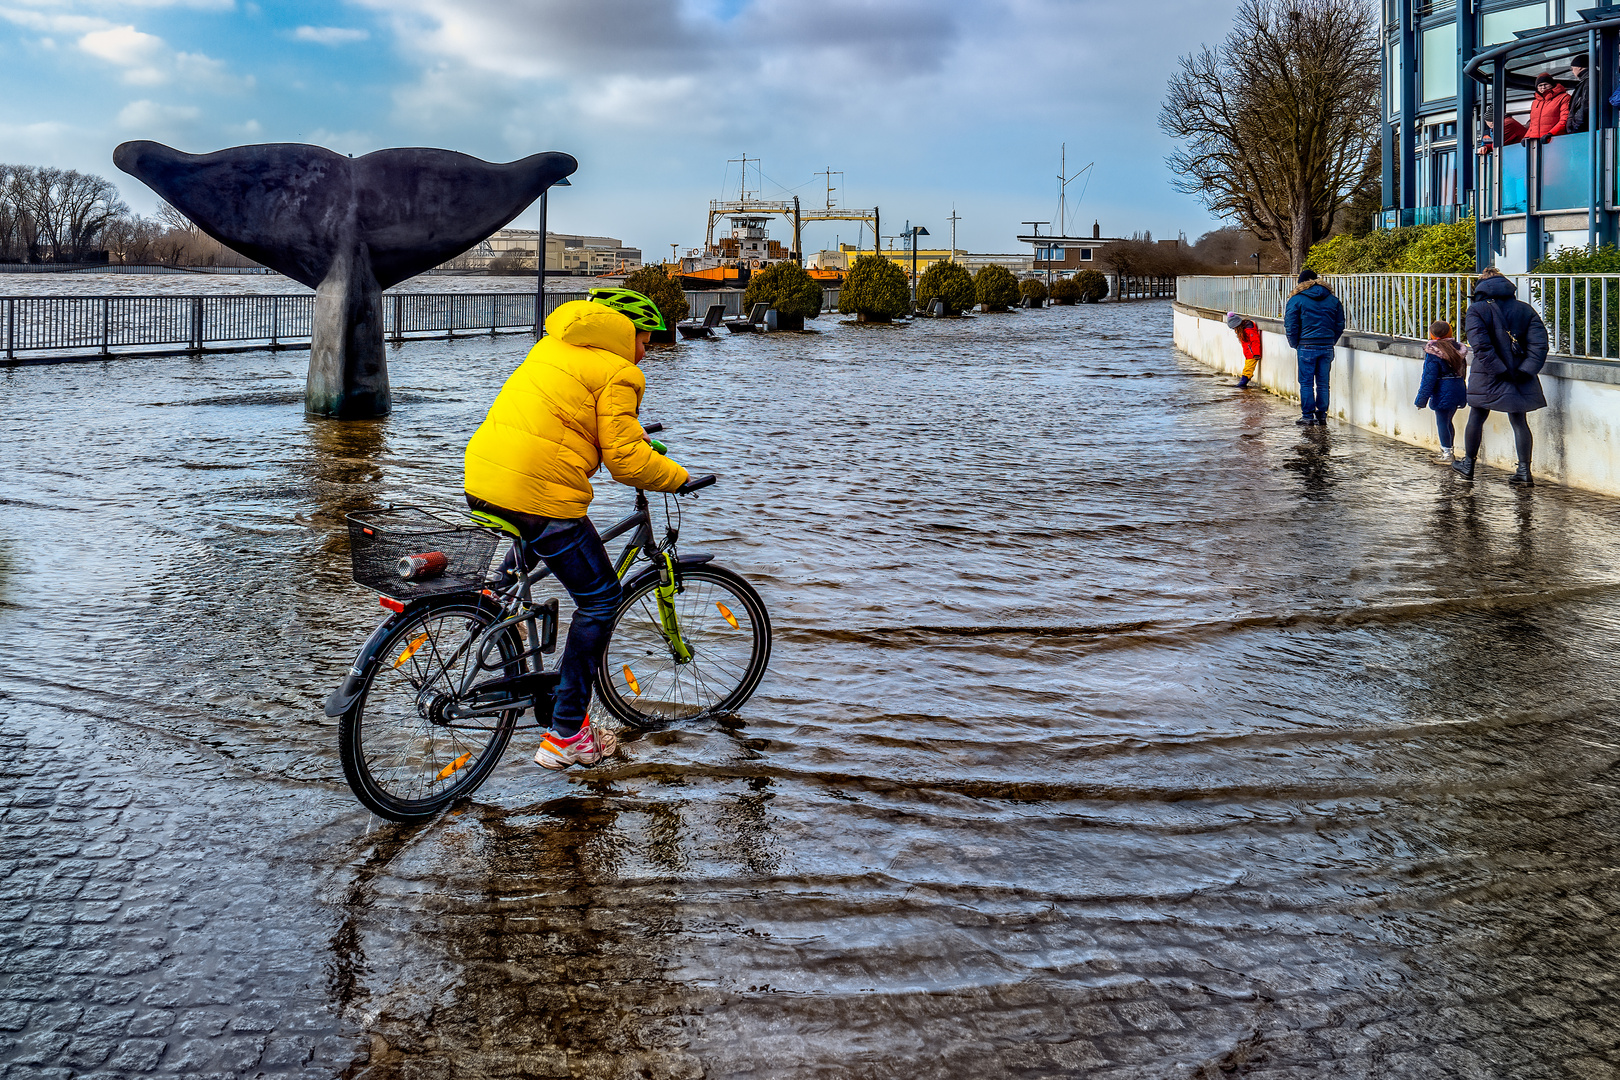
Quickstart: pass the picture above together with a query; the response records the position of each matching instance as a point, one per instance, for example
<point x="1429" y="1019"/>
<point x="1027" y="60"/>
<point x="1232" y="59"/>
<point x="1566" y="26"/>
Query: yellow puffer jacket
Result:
<point x="569" y="407"/>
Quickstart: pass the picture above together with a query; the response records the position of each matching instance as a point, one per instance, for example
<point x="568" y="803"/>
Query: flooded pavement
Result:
<point x="1115" y="728"/>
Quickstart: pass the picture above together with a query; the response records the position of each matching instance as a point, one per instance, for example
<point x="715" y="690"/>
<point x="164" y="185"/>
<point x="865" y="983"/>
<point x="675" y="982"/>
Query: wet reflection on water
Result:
<point x="1115" y="727"/>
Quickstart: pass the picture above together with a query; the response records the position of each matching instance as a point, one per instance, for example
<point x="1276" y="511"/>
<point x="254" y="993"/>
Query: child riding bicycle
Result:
<point x="569" y="408"/>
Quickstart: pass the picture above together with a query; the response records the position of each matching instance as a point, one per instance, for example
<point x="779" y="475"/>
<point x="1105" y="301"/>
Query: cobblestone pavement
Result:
<point x="158" y="910"/>
<point x="1201" y="748"/>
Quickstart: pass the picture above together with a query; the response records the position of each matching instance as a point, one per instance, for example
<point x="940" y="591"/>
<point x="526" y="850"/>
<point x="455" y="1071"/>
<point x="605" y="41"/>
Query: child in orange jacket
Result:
<point x="1249" y="336"/>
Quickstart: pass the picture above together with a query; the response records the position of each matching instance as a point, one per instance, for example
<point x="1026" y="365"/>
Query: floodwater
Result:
<point x="1116" y="727"/>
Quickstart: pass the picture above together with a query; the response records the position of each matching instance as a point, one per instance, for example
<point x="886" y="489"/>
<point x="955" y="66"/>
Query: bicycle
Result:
<point x="437" y="690"/>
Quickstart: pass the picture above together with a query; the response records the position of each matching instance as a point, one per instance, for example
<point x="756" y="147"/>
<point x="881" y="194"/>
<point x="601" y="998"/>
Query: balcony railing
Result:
<point x="1582" y="311"/>
<point x="1420" y="215"/>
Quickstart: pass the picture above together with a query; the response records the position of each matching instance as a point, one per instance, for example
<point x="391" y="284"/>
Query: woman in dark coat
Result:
<point x="1509" y="343"/>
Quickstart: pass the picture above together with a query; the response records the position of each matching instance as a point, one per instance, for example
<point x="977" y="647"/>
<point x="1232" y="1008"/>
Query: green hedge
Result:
<point x="1577" y="312"/>
<point x="1093" y="286"/>
<point x="1033" y="287"/>
<point x="947" y="281"/>
<point x="876" y="288"/>
<point x="1421" y="249"/>
<point x="995" y="287"/>
<point x="785" y="286"/>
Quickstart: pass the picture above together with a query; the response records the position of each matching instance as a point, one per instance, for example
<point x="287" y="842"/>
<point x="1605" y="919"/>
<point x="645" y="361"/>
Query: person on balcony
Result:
<point x="1580" y="98"/>
<point x="1549" y="112"/>
<point x="1512" y="130"/>
<point x="1312" y="322"/>
<point x="1509" y="343"/>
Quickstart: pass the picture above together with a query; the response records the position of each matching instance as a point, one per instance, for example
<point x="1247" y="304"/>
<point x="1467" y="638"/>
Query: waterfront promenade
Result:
<point x="1115" y="728"/>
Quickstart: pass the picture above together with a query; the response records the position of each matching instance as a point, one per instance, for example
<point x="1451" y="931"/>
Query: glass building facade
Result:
<point x="1454" y="72"/>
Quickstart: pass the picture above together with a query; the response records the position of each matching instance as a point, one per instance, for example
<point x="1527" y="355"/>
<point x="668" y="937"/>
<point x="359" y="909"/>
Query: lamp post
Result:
<point x="540" y="265"/>
<point x="914" y="231"/>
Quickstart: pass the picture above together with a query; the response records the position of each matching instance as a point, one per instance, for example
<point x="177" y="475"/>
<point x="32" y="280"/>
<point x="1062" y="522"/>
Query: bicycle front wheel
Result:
<point x="404" y="755"/>
<point x="726" y="630"/>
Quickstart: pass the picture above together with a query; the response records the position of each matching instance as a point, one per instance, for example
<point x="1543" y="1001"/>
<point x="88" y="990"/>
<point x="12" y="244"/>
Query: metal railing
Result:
<point x="101" y="324"/>
<point x="1581" y="311"/>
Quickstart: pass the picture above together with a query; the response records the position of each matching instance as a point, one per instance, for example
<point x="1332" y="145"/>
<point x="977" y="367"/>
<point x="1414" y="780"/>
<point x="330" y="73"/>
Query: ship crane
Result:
<point x="750" y="206"/>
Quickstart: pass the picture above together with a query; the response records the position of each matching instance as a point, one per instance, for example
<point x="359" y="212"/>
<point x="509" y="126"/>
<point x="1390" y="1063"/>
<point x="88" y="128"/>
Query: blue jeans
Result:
<point x="1315" y="361"/>
<point x="1448" y="432"/>
<point x="573" y="550"/>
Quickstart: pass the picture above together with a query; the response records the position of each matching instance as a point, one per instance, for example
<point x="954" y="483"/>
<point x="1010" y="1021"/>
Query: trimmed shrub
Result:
<point x="657" y="286"/>
<point x="995" y="288"/>
<point x="1033" y="287"/>
<point x="1093" y="286"/>
<point x="1065" y="291"/>
<point x="1605" y="260"/>
<point x="875" y="289"/>
<point x="1421" y="249"/>
<point x="947" y="281"/>
<point x="1584" y="308"/>
<point x="787" y="287"/>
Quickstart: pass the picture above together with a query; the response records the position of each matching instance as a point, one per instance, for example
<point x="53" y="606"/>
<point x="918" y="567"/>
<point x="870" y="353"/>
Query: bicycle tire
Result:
<point x="391" y="719"/>
<point x="639" y="681"/>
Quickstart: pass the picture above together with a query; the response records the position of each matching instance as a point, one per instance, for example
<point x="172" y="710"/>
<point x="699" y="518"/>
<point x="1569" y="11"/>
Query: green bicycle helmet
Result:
<point x="632" y="305"/>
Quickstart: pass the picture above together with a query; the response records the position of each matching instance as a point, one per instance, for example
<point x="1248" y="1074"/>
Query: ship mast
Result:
<point x="1064" y="180"/>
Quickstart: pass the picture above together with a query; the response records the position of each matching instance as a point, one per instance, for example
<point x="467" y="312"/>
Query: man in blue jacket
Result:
<point x="1313" y="321"/>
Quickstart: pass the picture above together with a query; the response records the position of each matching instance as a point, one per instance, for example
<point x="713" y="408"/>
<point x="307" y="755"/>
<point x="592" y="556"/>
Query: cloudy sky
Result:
<point x="921" y="104"/>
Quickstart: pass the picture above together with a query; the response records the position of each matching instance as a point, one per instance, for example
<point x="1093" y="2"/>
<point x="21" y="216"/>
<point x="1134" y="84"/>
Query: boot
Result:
<point x="1306" y="421"/>
<point x="1243" y="382"/>
<point x="1521" y="475"/>
<point x="1446" y="455"/>
<point x="1464" y="466"/>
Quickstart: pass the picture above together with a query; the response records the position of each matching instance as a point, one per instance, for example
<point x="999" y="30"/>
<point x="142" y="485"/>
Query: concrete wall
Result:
<point x="1375" y="380"/>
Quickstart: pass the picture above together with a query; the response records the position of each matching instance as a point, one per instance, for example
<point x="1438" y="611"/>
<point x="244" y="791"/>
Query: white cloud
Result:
<point x="56" y="24"/>
<point x="142" y="56"/>
<point x="330" y="35"/>
<point x="150" y="117"/>
<point x="147" y="60"/>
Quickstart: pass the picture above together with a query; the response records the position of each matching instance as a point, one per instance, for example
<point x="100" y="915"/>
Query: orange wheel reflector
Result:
<point x="454" y="765"/>
<point x="630" y="678"/>
<point x="410" y="650"/>
<point x="726" y="613"/>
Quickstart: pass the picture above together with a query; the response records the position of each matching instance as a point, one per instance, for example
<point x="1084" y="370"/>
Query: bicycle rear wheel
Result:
<point x="403" y="756"/>
<point x="723" y="622"/>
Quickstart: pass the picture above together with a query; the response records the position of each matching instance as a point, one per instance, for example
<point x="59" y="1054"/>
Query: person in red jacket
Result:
<point x="1549" y="113"/>
<point x="1249" y="337"/>
<point x="1510" y="127"/>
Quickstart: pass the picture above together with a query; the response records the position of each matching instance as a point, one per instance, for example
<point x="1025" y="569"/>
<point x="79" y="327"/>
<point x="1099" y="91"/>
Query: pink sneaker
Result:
<point x="589" y="746"/>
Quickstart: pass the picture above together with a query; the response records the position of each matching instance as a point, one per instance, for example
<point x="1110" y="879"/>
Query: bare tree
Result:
<point x="88" y="204"/>
<point x="1275" y="124"/>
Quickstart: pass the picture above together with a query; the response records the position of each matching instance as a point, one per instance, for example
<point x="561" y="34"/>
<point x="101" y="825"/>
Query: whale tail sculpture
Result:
<point x="346" y="227"/>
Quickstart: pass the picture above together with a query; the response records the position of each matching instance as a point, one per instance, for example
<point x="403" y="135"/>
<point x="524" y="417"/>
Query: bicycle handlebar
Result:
<point x="697" y="483"/>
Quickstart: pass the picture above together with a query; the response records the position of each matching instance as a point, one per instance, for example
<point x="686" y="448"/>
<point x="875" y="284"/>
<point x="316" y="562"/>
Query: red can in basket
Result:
<point x="427" y="565"/>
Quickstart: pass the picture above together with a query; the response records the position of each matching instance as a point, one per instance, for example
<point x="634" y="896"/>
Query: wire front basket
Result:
<point x="442" y="557"/>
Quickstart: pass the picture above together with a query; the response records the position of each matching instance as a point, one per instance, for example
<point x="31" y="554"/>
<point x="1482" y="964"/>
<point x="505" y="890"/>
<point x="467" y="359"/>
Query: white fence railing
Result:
<point x="100" y="324"/>
<point x="1582" y="311"/>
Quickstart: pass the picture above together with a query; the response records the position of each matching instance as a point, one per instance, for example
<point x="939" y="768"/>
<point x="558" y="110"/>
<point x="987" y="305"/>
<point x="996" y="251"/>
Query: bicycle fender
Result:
<point x="339" y="700"/>
<point x="695" y="558"/>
